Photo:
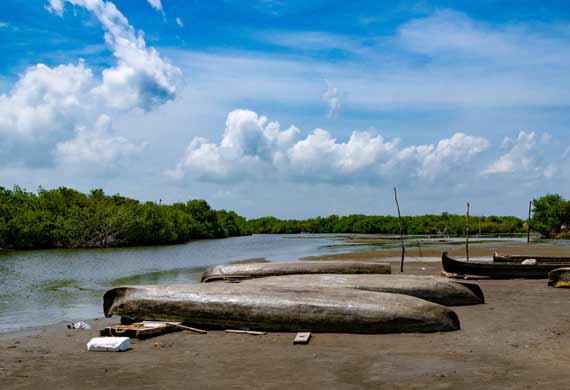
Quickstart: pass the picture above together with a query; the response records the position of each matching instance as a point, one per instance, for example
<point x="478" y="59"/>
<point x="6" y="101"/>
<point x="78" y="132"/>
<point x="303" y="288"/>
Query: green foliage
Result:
<point x="65" y="218"/>
<point x="423" y="224"/>
<point x="550" y="212"/>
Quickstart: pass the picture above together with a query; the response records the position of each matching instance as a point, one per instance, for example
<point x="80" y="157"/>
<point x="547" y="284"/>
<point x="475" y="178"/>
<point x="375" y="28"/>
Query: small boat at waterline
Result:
<point x="559" y="277"/>
<point x="237" y="272"/>
<point x="506" y="270"/>
<point x="431" y="288"/>
<point x="500" y="258"/>
<point x="231" y="305"/>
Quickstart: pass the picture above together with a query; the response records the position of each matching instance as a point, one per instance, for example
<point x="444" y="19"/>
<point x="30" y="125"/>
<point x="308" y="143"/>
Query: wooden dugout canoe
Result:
<point x="237" y="272"/>
<point x="431" y="288"/>
<point x="559" y="277"/>
<point x="507" y="270"/>
<point x="499" y="258"/>
<point x="229" y="305"/>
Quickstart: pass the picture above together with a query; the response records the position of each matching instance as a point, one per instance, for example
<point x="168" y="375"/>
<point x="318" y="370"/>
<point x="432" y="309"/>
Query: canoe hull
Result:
<point x="229" y="305"/>
<point x="508" y="270"/>
<point x="431" y="288"/>
<point x="539" y="259"/>
<point x="559" y="277"/>
<point x="236" y="272"/>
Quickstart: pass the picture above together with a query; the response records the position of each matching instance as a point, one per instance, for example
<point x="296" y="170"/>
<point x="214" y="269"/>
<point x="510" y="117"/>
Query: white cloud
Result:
<point x="252" y="147"/>
<point x="141" y="78"/>
<point x="97" y="148"/>
<point x="331" y="96"/>
<point x="55" y="6"/>
<point x="524" y="156"/>
<point x="179" y="22"/>
<point x="50" y="112"/>
<point x="156" y="4"/>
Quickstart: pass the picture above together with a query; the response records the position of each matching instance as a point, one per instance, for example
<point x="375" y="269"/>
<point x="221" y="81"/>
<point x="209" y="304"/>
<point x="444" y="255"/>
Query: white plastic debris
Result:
<point x="529" y="262"/>
<point x="109" y="344"/>
<point x="79" y="325"/>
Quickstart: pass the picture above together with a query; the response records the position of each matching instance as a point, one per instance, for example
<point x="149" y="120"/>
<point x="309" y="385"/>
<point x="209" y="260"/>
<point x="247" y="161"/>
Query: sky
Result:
<point x="289" y="108"/>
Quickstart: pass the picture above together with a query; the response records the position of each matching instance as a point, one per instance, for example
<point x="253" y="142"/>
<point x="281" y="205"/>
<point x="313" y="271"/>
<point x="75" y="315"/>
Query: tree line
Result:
<point x="66" y="218"/>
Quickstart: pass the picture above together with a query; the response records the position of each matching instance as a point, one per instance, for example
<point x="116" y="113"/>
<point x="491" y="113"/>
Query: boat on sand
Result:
<point x="559" y="277"/>
<point x="504" y="258"/>
<point x="230" y="305"/>
<point x="431" y="288"/>
<point x="236" y="272"/>
<point x="506" y="270"/>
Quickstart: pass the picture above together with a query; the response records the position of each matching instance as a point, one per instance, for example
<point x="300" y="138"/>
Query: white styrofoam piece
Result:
<point x="109" y="344"/>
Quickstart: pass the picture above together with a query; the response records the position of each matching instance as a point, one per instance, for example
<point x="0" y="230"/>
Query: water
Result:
<point x="50" y="286"/>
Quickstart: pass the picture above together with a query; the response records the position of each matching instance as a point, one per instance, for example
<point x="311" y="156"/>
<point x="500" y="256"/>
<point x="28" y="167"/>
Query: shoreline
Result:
<point x="516" y="340"/>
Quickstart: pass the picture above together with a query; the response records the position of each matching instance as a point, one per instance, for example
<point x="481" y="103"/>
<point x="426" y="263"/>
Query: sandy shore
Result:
<point x="518" y="340"/>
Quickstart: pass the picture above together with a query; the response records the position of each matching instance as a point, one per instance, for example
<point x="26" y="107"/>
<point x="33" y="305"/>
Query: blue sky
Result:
<point x="292" y="109"/>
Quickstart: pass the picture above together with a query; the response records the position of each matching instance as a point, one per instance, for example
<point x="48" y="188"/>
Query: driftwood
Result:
<point x="431" y="288"/>
<point x="229" y="305"/>
<point x="258" y="270"/>
<point x="559" y="278"/>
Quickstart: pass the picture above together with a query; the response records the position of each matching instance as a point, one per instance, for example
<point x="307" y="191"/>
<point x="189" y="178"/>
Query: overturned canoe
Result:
<point x="431" y="288"/>
<point x="236" y="272"/>
<point x="229" y="305"/>
<point x="507" y="270"/>
<point x="559" y="277"/>
<point x="499" y="258"/>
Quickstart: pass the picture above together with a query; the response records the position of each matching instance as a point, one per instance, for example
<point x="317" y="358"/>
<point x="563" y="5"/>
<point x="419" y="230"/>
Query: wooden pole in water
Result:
<point x="401" y="231"/>
<point x="528" y="222"/>
<point x="467" y="232"/>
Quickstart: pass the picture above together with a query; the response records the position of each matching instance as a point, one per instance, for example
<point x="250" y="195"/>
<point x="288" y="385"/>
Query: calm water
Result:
<point x="47" y="287"/>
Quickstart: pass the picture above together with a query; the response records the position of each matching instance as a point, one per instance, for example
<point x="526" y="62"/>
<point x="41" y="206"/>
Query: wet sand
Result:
<point x="518" y="340"/>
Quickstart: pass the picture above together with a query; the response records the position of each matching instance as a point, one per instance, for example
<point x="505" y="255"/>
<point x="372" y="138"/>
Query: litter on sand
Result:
<point x="109" y="344"/>
<point x="302" y="338"/>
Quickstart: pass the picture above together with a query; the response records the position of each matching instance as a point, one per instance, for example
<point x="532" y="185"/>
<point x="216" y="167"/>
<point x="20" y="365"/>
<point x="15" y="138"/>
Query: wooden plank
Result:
<point x="251" y="332"/>
<point x="302" y="338"/>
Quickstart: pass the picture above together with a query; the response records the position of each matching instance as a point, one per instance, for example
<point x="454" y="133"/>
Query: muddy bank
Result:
<point x="517" y="340"/>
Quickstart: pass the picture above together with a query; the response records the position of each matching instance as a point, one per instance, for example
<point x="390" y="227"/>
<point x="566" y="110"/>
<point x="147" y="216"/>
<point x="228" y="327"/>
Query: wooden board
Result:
<point x="141" y="330"/>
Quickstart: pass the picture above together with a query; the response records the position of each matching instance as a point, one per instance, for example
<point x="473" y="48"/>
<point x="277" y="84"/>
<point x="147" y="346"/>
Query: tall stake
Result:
<point x="401" y="231"/>
<point x="467" y="232"/>
<point x="528" y="222"/>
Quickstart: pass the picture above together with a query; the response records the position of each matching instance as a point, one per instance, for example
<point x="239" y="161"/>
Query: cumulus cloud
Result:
<point x="49" y="111"/>
<point x="156" y="4"/>
<point x="97" y="147"/>
<point x="331" y="96"/>
<point x="142" y="78"/>
<point x="524" y="155"/>
<point x="252" y="146"/>
<point x="179" y="22"/>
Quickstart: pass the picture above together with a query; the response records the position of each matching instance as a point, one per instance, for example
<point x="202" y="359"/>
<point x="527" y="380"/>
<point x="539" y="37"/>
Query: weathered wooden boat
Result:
<point x="231" y="305"/>
<point x="507" y="270"/>
<point x="499" y="258"/>
<point x="559" y="277"/>
<point x="236" y="272"/>
<point x="431" y="288"/>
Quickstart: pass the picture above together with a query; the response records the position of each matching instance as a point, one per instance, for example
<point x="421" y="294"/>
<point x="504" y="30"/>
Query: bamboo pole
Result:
<point x="528" y="222"/>
<point x="401" y="231"/>
<point x="467" y="232"/>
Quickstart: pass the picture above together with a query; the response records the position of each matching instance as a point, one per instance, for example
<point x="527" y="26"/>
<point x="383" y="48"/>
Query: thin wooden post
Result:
<point x="401" y="230"/>
<point x="528" y="222"/>
<point x="419" y="248"/>
<point x="467" y="232"/>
